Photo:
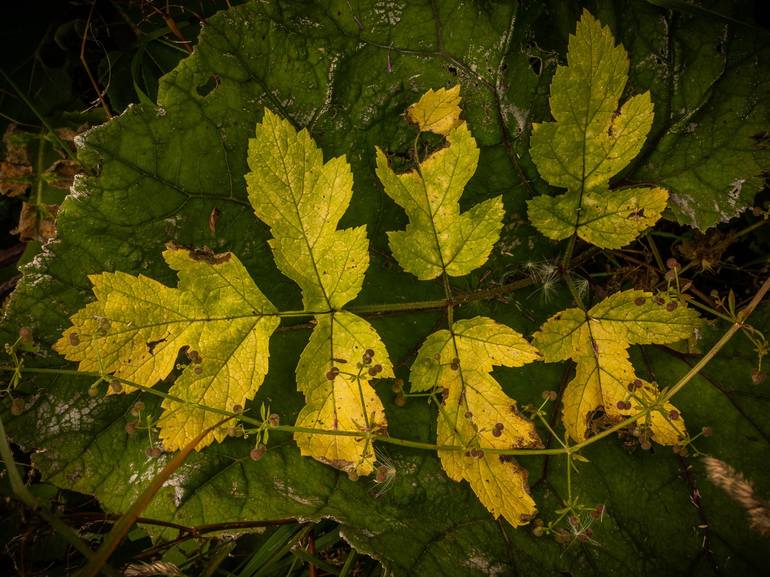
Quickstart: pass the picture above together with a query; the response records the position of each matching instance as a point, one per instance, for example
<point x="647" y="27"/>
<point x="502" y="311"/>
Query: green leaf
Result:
<point x="157" y="173"/>
<point x="712" y="94"/>
<point x="605" y="380"/>
<point x="590" y="141"/>
<point x="439" y="238"/>
<point x="136" y="327"/>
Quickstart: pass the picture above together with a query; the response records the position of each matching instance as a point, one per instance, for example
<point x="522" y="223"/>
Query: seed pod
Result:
<point x="116" y="386"/>
<point x="153" y="452"/>
<point x="257" y="452"/>
<point x="25" y="334"/>
<point x="332" y="373"/>
<point x="673" y="264"/>
<point x="400" y="400"/>
<point x="274" y="420"/>
<point x="131" y="427"/>
<point x="17" y="406"/>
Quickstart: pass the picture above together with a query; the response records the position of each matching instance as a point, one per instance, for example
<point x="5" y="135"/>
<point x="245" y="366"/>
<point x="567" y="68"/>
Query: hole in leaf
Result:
<point x="207" y="87"/>
<point x="536" y="65"/>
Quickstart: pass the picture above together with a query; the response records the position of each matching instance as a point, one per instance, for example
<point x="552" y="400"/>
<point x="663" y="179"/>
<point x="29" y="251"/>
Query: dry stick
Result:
<point x="120" y="529"/>
<point x="84" y="62"/>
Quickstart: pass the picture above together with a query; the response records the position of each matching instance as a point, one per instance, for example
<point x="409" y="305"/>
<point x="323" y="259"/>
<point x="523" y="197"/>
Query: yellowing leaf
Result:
<point x="438" y="238"/>
<point x="302" y="199"/>
<point x="437" y="110"/>
<point x="476" y="414"/>
<point x="598" y="341"/>
<point x="607" y="220"/>
<point x="337" y="390"/>
<point x="136" y="327"/>
<point x="590" y="141"/>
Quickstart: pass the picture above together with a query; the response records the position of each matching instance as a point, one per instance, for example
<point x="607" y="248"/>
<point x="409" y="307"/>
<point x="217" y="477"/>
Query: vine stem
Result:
<point x="568" y="450"/>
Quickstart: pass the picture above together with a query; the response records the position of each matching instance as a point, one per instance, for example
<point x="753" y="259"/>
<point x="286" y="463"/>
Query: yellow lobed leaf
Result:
<point x="136" y="327"/>
<point x="482" y="340"/>
<point x="589" y="142"/>
<point x="302" y="199"/>
<point x="438" y="237"/>
<point x="468" y="416"/>
<point x="347" y="401"/>
<point x="437" y="110"/>
<point x="475" y="413"/>
<point x="598" y="342"/>
<point x="607" y="220"/>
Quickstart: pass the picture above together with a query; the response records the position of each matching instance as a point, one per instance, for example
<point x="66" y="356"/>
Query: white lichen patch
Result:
<point x="281" y="486"/>
<point x="479" y="562"/>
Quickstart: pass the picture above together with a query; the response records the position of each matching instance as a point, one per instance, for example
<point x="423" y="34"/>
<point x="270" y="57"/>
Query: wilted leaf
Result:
<point x="605" y="380"/>
<point x="590" y="141"/>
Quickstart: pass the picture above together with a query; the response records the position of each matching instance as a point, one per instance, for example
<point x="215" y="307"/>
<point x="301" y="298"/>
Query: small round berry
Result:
<point x="25" y="334"/>
<point x="332" y="373"/>
<point x="257" y="452"/>
<point x="673" y="264"/>
<point x="17" y="406"/>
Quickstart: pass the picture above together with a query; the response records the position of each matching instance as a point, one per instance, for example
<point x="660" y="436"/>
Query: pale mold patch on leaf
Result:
<point x="476" y="561"/>
<point x="67" y="416"/>
<point x="283" y="488"/>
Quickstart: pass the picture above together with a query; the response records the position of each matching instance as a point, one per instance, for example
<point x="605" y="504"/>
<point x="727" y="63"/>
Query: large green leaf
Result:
<point x="348" y="71"/>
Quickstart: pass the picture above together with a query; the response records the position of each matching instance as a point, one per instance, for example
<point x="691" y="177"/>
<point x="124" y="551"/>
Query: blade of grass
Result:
<point x="121" y="527"/>
<point x="349" y="561"/>
<point x="269" y="548"/>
